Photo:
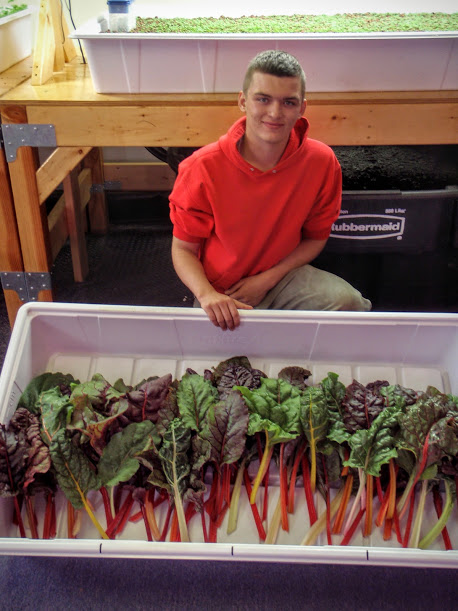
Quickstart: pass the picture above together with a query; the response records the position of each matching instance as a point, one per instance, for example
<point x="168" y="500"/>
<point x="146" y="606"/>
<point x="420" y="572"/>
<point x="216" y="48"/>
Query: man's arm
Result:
<point x="221" y="309"/>
<point x="251" y="290"/>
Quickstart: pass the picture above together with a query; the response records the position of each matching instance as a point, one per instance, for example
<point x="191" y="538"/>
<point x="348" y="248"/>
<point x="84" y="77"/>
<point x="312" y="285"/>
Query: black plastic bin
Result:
<point x="399" y="248"/>
<point x="395" y="221"/>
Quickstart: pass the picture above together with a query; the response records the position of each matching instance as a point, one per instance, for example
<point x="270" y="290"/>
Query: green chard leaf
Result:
<point x="39" y="384"/>
<point x="334" y="392"/>
<point x="96" y="394"/>
<point x="75" y="473"/>
<point x="119" y="461"/>
<point x="274" y="407"/>
<point x="194" y="397"/>
<point x="174" y="455"/>
<point x="314" y="415"/>
<point x="399" y="395"/>
<point x="227" y="424"/>
<point x="371" y="448"/>
<point x="176" y="466"/>
<point x="314" y="421"/>
<point x="55" y="410"/>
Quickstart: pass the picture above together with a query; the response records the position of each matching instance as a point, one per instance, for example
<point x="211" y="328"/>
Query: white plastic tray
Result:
<point x="215" y="63"/>
<point x="134" y="342"/>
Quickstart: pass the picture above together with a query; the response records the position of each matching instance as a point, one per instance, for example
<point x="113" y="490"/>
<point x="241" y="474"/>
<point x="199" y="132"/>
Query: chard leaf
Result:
<point x="314" y="421"/>
<point x="55" y="410"/>
<point x="236" y="371"/>
<point x="151" y="461"/>
<point x="399" y="395"/>
<point x="419" y="418"/>
<point x="168" y="410"/>
<point x="274" y="407"/>
<point x="443" y="439"/>
<point x="334" y="392"/>
<point x="174" y="455"/>
<point x="371" y="448"/>
<point x="147" y="399"/>
<point x="42" y="383"/>
<point x="314" y="415"/>
<point x="13" y="459"/>
<point x="194" y="396"/>
<point x="99" y="429"/>
<point x="200" y="456"/>
<point x="119" y="461"/>
<point x="236" y="361"/>
<point x="296" y="376"/>
<point x="75" y="473"/>
<point x="360" y="406"/>
<point x="227" y="424"/>
<point x="96" y="394"/>
<point x="27" y="427"/>
<point x="201" y="453"/>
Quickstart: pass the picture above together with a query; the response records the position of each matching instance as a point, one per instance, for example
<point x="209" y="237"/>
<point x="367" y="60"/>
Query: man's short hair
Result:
<point x="277" y="63"/>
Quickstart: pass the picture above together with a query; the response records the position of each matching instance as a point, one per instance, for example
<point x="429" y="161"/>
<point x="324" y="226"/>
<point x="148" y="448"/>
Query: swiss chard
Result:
<point x="75" y="474"/>
<point x="225" y="431"/>
<point x="274" y="409"/>
<point x="175" y="463"/>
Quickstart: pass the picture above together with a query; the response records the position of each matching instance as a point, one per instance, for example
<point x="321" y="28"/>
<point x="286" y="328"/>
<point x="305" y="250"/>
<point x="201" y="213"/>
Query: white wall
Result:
<point x="83" y="10"/>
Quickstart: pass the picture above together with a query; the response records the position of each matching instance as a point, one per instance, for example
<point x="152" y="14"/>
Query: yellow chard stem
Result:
<point x="262" y="469"/>
<point x="235" y="499"/>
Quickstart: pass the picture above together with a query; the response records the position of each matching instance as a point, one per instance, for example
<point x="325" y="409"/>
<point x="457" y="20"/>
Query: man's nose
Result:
<point x="276" y="108"/>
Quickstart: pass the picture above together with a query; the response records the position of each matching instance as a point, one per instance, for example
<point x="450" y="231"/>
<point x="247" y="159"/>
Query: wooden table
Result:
<point x="83" y="119"/>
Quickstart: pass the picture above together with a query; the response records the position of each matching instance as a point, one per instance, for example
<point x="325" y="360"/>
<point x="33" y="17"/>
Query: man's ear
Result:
<point x="242" y="101"/>
<point x="304" y="106"/>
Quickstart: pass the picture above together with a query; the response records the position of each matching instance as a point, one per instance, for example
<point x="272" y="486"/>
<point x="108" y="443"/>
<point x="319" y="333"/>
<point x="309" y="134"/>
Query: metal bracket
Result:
<point x="25" y="134"/>
<point x="108" y="185"/>
<point x="26" y="284"/>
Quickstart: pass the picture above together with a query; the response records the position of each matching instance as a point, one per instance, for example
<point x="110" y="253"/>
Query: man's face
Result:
<point x="272" y="104"/>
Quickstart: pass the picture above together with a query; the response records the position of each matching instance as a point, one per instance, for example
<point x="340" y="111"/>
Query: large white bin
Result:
<point x="216" y="63"/>
<point x="16" y="35"/>
<point x="415" y="350"/>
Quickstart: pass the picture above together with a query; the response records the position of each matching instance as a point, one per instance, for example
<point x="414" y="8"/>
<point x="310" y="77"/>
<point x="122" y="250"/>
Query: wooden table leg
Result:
<point x="98" y="211"/>
<point x="75" y="225"/>
<point x="32" y="221"/>
<point x="10" y="247"/>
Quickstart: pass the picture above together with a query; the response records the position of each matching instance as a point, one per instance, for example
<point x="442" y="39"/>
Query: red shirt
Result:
<point x="247" y="220"/>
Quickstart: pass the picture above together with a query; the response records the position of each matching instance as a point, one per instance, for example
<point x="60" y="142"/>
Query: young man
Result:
<point x="251" y="211"/>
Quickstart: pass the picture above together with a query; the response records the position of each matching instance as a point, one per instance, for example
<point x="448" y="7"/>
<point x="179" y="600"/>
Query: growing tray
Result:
<point x="415" y="350"/>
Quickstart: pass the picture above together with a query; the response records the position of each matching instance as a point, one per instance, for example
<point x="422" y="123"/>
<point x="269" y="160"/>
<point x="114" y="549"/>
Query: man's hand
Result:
<point x="223" y="310"/>
<point x="251" y="290"/>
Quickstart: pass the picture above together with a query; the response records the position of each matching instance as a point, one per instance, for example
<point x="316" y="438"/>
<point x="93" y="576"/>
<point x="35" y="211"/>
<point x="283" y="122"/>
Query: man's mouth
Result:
<point x="273" y="125"/>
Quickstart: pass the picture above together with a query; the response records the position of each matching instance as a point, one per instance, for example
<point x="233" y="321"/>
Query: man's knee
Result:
<point x="350" y="299"/>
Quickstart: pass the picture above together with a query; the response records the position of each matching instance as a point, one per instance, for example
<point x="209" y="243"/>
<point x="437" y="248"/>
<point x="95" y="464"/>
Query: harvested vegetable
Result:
<point x="165" y="451"/>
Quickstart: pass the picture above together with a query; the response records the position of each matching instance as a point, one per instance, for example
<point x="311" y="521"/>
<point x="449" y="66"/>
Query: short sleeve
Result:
<point x="326" y="207"/>
<point x="190" y="209"/>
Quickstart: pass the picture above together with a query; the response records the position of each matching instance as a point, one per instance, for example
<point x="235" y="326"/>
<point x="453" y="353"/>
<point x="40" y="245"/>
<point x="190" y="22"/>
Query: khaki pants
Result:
<point x="309" y="288"/>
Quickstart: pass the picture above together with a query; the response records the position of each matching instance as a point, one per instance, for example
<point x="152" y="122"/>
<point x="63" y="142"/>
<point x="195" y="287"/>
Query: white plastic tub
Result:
<point x="154" y="63"/>
<point x="135" y="342"/>
<point x="15" y="38"/>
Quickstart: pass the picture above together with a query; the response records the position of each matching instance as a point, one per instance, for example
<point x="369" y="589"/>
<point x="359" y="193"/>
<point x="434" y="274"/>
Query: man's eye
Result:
<point x="290" y="103"/>
<point x="262" y="100"/>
